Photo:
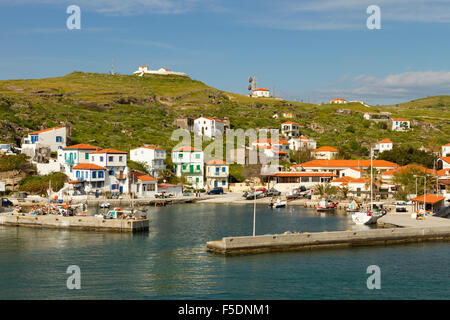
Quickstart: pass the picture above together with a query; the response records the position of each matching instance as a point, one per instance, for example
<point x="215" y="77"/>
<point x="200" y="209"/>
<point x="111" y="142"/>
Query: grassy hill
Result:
<point x="124" y="111"/>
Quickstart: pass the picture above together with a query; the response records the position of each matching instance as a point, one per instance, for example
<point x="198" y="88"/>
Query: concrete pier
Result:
<point x="76" y="223"/>
<point x="403" y="231"/>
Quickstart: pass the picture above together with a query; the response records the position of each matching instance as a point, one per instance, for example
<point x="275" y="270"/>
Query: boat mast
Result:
<point x="371" y="178"/>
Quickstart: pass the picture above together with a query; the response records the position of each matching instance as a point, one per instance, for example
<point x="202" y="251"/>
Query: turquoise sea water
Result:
<point x="171" y="262"/>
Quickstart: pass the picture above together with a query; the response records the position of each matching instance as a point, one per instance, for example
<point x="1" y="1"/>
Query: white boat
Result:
<point x="326" y="205"/>
<point x="353" y="207"/>
<point x="280" y="204"/>
<point x="105" y="205"/>
<point x="366" y="217"/>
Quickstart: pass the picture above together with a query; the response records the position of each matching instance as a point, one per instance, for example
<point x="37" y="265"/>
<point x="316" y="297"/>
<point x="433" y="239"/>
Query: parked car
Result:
<point x="6" y="202"/>
<point x="401" y="206"/>
<point x="164" y="195"/>
<point x="217" y="190"/>
<point x="297" y="193"/>
<point x="273" y="193"/>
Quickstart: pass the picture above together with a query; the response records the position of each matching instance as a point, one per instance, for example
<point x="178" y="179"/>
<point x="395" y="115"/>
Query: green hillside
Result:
<point x="124" y="111"/>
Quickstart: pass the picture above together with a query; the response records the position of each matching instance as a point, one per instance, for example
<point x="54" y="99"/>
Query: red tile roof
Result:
<point x="217" y="162"/>
<point x="385" y="141"/>
<point x="446" y="159"/>
<point x="347" y="164"/>
<point x="142" y="176"/>
<point x="270" y="141"/>
<point x="260" y="89"/>
<point x="351" y="180"/>
<point x="304" y="174"/>
<point x="290" y="122"/>
<point x="430" y="198"/>
<point x="399" y="119"/>
<point x="444" y="172"/>
<point x="326" y="148"/>
<point x="81" y="147"/>
<point x="408" y="167"/>
<point x="88" y="166"/>
<point x="109" y="151"/>
<point x="46" y="130"/>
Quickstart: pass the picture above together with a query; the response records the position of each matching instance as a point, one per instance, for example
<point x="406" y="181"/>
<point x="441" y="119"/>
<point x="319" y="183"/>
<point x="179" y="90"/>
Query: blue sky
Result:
<point x="310" y="50"/>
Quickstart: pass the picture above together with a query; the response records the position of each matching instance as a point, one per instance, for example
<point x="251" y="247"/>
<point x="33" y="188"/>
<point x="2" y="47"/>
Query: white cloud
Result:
<point x="406" y="85"/>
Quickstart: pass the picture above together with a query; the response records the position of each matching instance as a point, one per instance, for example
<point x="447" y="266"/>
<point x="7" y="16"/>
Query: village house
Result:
<point x="142" y="185"/>
<point x="184" y="123"/>
<point x="325" y="153"/>
<point x="115" y="162"/>
<point x="290" y="129"/>
<point x="89" y="178"/>
<point x="208" y="127"/>
<point x="383" y="145"/>
<point x="443" y="176"/>
<point x="338" y="101"/>
<point x="356" y="186"/>
<point x="188" y="162"/>
<point x="286" y="181"/>
<point x="271" y="149"/>
<point x="68" y="157"/>
<point x="388" y="175"/>
<point x="336" y="166"/>
<point x="399" y="124"/>
<point x="302" y="142"/>
<point x="261" y="93"/>
<point x="352" y="172"/>
<point x="52" y="138"/>
<point x="446" y="150"/>
<point x="152" y="157"/>
<point x="217" y="172"/>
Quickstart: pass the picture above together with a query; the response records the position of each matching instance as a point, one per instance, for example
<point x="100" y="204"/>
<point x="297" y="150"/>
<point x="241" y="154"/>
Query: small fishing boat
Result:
<point x="117" y="213"/>
<point x="326" y="205"/>
<point x="353" y="207"/>
<point x="106" y="205"/>
<point x="278" y="204"/>
<point x="366" y="217"/>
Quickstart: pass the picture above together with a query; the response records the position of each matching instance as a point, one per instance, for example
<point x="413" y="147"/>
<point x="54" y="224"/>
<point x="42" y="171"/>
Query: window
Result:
<point x="94" y="174"/>
<point x="111" y="172"/>
<point x="86" y="156"/>
<point x="184" y="167"/>
<point x="58" y="139"/>
<point x="101" y="159"/>
<point x="224" y="169"/>
<point x="151" y="187"/>
<point x="198" y="167"/>
<point x="100" y="174"/>
<point x="92" y="158"/>
<point x="197" y="156"/>
<point x="77" y="174"/>
<point x="120" y="158"/>
<point x="110" y="158"/>
<point x="224" y="182"/>
<point x="180" y="155"/>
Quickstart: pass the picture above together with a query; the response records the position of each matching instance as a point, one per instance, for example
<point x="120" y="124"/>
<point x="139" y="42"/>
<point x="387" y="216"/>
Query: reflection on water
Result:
<point x="171" y="260"/>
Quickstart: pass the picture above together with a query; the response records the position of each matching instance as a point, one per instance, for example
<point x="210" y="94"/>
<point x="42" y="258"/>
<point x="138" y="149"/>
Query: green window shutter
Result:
<point x="86" y="156"/>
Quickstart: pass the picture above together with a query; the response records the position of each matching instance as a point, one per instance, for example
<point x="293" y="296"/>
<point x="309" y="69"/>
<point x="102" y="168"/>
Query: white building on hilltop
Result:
<point x="383" y="145"/>
<point x="162" y="71"/>
<point x="261" y="93"/>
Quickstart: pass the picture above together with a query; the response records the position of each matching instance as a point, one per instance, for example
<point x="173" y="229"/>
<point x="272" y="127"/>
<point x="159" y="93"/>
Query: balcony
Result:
<point x="120" y="176"/>
<point x="191" y="169"/>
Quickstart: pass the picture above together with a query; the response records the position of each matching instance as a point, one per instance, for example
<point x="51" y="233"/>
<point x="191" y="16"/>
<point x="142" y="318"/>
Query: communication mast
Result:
<point x="112" y="67"/>
<point x="253" y="83"/>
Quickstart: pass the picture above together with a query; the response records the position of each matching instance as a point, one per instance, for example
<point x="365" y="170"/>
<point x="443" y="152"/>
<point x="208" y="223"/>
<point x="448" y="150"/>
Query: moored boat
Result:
<point x="326" y="205"/>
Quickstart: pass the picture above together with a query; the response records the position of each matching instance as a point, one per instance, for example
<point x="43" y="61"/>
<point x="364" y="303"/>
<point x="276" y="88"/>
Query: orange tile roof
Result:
<point x="337" y="99"/>
<point x="45" y="130"/>
<point x="88" y="166"/>
<point x="446" y="159"/>
<point x="289" y="122"/>
<point x="326" y="148"/>
<point x="187" y="149"/>
<point x="270" y="141"/>
<point x="217" y="162"/>
<point x="304" y="174"/>
<point x="261" y="89"/>
<point x="81" y="146"/>
<point x="385" y="141"/>
<point x="351" y="180"/>
<point x="446" y="145"/>
<point x="430" y="198"/>
<point x="399" y="119"/>
<point x="108" y="151"/>
<point x="214" y="119"/>
<point x="347" y="164"/>
<point x="142" y="176"/>
<point x="407" y="167"/>
<point x="443" y="172"/>
<point x="149" y="147"/>
<point x="356" y="169"/>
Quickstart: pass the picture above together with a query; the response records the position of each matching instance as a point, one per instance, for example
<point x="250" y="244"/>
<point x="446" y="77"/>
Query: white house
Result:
<point x="115" y="162"/>
<point x="53" y="138"/>
<point x="161" y="71"/>
<point x="208" y="127"/>
<point x="383" y="145"/>
<point x="399" y="124"/>
<point x="325" y="153"/>
<point x="261" y="93"/>
<point x="352" y="172"/>
<point x="152" y="157"/>
<point x="68" y="157"/>
<point x="217" y="172"/>
<point x="353" y="184"/>
<point x="302" y="142"/>
<point x="444" y="162"/>
<point x="89" y="177"/>
<point x="446" y="150"/>
<point x="338" y="101"/>
<point x="290" y="129"/>
<point x="5" y="148"/>
<point x="142" y="185"/>
<point x="188" y="162"/>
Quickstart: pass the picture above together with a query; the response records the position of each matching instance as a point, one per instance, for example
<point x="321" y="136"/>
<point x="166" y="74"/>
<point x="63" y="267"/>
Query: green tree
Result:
<point x="404" y="155"/>
<point x="406" y="180"/>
